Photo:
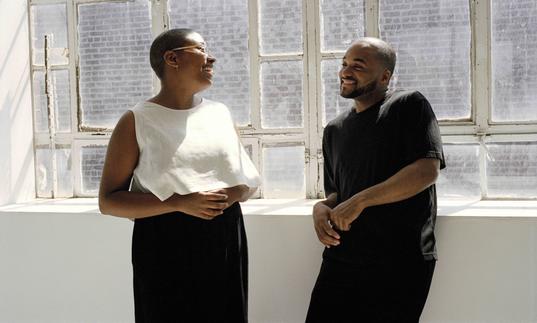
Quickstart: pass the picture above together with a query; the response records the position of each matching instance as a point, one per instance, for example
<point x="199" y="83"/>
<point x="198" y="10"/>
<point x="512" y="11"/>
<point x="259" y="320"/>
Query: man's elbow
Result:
<point x="431" y="171"/>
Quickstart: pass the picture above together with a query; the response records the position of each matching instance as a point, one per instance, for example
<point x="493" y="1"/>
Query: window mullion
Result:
<point x="253" y="46"/>
<point x="311" y="94"/>
<point x="72" y="37"/>
<point x="160" y="22"/>
<point x="72" y="43"/>
<point x="480" y="51"/>
<point x="372" y="18"/>
<point x="76" y="168"/>
<point x="255" y="86"/>
<point x="40" y="2"/>
<point x="483" y="182"/>
<point x="481" y="69"/>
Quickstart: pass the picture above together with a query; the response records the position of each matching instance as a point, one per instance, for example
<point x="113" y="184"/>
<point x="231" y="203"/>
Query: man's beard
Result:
<point x="360" y="91"/>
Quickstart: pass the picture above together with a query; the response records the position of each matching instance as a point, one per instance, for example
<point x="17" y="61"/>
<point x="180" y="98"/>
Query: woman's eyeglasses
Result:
<point x="201" y="48"/>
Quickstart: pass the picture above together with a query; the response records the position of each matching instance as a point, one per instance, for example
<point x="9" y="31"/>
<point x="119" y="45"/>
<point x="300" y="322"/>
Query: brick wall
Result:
<point x="282" y="104"/>
<point x="48" y="19"/>
<point x="460" y="179"/>
<point x="114" y="41"/>
<point x="514" y="60"/>
<point x="432" y="40"/>
<point x="224" y="26"/>
<point x="92" y="159"/>
<point x="512" y="169"/>
<point x="281" y="26"/>
<point x="283" y="172"/>
<point x="341" y="23"/>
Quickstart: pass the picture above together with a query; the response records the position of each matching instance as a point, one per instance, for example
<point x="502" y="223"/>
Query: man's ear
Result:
<point x="386" y="76"/>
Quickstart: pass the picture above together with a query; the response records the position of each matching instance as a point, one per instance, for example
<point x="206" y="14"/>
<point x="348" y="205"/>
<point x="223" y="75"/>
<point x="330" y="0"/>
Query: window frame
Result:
<point x="478" y="129"/>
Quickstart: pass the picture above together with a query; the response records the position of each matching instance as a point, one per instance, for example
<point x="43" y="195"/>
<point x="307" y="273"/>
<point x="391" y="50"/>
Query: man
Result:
<point x="381" y="160"/>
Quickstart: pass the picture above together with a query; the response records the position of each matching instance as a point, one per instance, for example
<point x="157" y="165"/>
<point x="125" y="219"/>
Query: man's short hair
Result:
<point x="385" y="52"/>
<point x="167" y="40"/>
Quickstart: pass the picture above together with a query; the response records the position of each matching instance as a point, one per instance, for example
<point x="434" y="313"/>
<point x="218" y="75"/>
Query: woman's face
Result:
<point x="194" y="62"/>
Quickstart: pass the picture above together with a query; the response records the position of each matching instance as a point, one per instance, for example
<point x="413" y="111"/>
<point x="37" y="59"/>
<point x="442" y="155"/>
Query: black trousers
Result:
<point x="382" y="293"/>
<point x="190" y="270"/>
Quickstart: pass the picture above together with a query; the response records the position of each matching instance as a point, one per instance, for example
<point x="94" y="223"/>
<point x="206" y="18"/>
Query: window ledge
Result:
<point x="291" y="207"/>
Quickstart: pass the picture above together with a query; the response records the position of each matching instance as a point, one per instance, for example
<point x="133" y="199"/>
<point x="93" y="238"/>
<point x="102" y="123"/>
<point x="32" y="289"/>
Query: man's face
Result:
<point x="360" y="72"/>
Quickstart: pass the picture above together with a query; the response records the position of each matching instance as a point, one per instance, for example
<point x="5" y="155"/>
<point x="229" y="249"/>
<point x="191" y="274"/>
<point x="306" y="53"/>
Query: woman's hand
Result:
<point x="204" y="205"/>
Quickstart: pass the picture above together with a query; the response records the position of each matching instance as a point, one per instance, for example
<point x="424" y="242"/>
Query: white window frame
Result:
<point x="478" y="129"/>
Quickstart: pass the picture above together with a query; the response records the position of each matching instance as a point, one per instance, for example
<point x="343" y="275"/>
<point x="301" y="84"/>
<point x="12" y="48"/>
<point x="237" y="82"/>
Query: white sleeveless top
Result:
<point x="186" y="151"/>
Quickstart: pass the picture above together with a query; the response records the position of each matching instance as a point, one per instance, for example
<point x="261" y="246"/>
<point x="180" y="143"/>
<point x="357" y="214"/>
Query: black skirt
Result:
<point x="187" y="269"/>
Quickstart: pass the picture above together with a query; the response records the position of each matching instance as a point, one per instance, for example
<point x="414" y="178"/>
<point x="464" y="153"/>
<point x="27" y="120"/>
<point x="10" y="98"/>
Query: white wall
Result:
<point x="76" y="268"/>
<point x="16" y="152"/>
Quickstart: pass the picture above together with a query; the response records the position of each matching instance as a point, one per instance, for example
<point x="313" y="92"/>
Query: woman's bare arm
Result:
<point x="115" y="197"/>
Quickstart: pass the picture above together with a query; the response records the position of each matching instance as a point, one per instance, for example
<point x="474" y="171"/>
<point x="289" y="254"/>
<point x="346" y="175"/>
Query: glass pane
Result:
<point x="114" y="59"/>
<point x="512" y="170"/>
<point x="49" y="19"/>
<point x="283" y="172"/>
<point x="44" y="171"/>
<point x="92" y="160"/>
<point x="333" y="103"/>
<point x="432" y="40"/>
<point x="62" y="101"/>
<point x="460" y="179"/>
<point x="281" y="26"/>
<point x="224" y="26"/>
<point x="514" y="64"/>
<point x="249" y="150"/>
<point x="281" y="94"/>
<point x="342" y="22"/>
<point x="40" y="102"/>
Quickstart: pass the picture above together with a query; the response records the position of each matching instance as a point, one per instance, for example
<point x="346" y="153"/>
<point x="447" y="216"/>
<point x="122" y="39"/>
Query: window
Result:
<point x="277" y="64"/>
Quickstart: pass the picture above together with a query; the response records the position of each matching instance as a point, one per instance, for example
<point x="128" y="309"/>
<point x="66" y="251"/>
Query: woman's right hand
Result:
<point x="204" y="205"/>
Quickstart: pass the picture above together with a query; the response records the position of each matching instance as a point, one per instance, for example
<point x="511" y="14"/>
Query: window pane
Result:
<point x="49" y="19"/>
<point x="281" y="26"/>
<point x="512" y="170"/>
<point x="44" y="172"/>
<point x="432" y="40"/>
<point x="333" y="103"/>
<point x="62" y="101"/>
<point x="249" y="150"/>
<point x="460" y="179"/>
<point x="514" y="63"/>
<point x="224" y="26"/>
<point x="342" y="22"/>
<point x="281" y="94"/>
<point x="114" y="59"/>
<point x="283" y="172"/>
<point x="92" y="160"/>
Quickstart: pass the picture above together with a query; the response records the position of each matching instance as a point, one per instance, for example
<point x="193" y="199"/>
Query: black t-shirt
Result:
<point x="363" y="149"/>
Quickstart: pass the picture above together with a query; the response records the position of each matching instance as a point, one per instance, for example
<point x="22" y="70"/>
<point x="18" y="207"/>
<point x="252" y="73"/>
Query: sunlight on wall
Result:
<point x="16" y="157"/>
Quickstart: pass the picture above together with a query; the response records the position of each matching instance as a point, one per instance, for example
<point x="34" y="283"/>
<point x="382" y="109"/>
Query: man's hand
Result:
<point x="321" y="223"/>
<point x="345" y="213"/>
<point x="204" y="205"/>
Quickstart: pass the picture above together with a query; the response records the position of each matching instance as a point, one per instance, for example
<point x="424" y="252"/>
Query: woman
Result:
<point x="176" y="166"/>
